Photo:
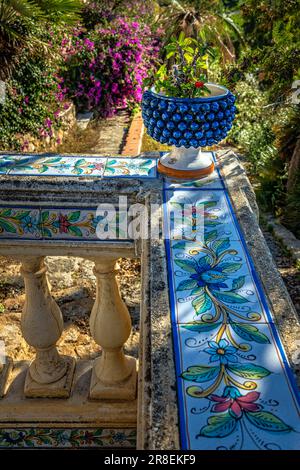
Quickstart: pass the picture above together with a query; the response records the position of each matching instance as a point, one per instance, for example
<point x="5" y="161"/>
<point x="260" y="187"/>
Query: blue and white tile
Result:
<point x="213" y="377"/>
<point x="131" y="167"/>
<point x="20" y="222"/>
<point x="57" y="165"/>
<point x="213" y="281"/>
<point x="189" y="211"/>
<point x="81" y="223"/>
<point x="211" y="182"/>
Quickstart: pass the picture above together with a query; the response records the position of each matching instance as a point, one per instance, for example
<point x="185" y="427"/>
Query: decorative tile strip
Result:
<point x="130" y="168"/>
<point x="235" y="387"/>
<point x="58" y="165"/>
<point x="67" y="438"/>
<point x="59" y="223"/>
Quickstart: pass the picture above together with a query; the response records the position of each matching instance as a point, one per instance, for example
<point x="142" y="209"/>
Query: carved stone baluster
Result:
<point x="114" y="374"/>
<point x="49" y="374"/>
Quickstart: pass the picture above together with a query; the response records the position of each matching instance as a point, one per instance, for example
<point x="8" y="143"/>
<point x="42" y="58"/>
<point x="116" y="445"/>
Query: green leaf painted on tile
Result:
<point x="21" y="215"/>
<point x="179" y="245"/>
<point x="187" y="285"/>
<point x="230" y="297"/>
<point x="221" y="245"/>
<point x="75" y="231"/>
<point x="230" y="267"/>
<point x="200" y="327"/>
<point x="74" y="216"/>
<point x="219" y="426"/>
<point x="77" y="171"/>
<point x="238" y="283"/>
<point x="5" y="212"/>
<point x="267" y="421"/>
<point x="43" y="169"/>
<point x="146" y="164"/>
<point x="200" y="374"/>
<point x="249" y="332"/>
<point x="211" y="223"/>
<point x="53" y="160"/>
<point x="210" y="236"/>
<point x="79" y="162"/>
<point x="249" y="371"/>
<point x="46" y="232"/>
<point x="45" y="216"/>
<point x="208" y="204"/>
<point x="186" y="265"/>
<point x="7" y="226"/>
<point x="197" y="291"/>
<point x="202" y="303"/>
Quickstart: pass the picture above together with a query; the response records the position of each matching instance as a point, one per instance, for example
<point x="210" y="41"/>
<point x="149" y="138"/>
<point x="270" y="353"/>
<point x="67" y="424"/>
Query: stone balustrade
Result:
<point x="95" y="393"/>
<point x="46" y="212"/>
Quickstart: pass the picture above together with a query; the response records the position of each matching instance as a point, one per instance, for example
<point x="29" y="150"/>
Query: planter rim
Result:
<point x="200" y="99"/>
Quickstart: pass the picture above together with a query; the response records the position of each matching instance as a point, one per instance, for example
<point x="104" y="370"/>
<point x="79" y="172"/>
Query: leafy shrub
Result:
<point x="252" y="129"/>
<point x="30" y="105"/>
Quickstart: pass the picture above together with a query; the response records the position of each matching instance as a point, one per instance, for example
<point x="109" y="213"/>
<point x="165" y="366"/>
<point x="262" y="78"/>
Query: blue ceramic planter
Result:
<point x="189" y="122"/>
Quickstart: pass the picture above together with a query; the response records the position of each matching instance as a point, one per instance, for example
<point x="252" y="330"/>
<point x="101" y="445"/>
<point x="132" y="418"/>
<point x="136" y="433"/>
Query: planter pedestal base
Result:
<point x="186" y="163"/>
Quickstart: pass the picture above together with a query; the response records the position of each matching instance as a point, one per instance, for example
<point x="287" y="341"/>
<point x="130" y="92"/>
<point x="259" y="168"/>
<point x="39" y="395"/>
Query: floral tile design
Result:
<point x="80" y="224"/>
<point x="235" y="387"/>
<point x="212" y="182"/>
<point x="189" y="211"/>
<point x="20" y="222"/>
<point x="236" y="397"/>
<point x="67" y="438"/>
<point x="213" y="282"/>
<point x="131" y="167"/>
<point x="58" y="165"/>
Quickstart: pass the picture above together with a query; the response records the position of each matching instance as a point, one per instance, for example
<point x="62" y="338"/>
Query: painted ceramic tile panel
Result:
<point x="66" y="438"/>
<point x="130" y="167"/>
<point x="235" y="387"/>
<point x="56" y="166"/>
<point x="188" y="211"/>
<point x="212" y="181"/>
<point x="20" y="222"/>
<point x="80" y="224"/>
<point x="213" y="282"/>
<point x="235" y="398"/>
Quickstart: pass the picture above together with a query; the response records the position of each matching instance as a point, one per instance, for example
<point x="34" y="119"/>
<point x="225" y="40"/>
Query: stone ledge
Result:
<point x="17" y="409"/>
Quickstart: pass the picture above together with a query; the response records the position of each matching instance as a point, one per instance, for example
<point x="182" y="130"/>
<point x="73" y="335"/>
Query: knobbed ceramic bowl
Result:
<point x="188" y="123"/>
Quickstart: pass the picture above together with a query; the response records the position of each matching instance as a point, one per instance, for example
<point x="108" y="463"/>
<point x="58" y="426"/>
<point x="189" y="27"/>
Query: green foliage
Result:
<point x="252" y="129"/>
<point x="30" y="105"/>
<point x="19" y="20"/>
<point x="192" y="17"/>
<point x="188" y="72"/>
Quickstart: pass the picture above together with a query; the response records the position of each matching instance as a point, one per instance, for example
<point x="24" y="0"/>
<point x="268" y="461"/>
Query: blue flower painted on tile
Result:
<point x="19" y="222"/>
<point x="209" y="274"/>
<point x="29" y="224"/>
<point x="221" y="352"/>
